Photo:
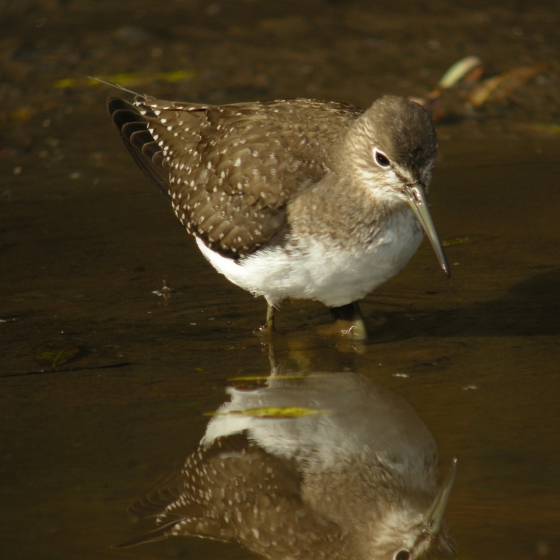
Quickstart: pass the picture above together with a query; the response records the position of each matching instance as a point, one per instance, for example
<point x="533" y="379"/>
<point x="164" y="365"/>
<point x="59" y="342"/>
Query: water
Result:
<point x="85" y="241"/>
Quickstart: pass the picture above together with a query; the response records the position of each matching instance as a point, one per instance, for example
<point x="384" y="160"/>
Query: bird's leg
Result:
<point x="269" y="317"/>
<point x="268" y="328"/>
<point x="274" y="369"/>
<point x="348" y="321"/>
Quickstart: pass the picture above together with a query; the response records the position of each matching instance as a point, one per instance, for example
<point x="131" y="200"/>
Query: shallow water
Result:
<point x="85" y="241"/>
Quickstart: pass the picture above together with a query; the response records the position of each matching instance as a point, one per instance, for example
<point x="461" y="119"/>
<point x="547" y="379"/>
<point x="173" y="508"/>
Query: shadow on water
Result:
<point x="530" y="308"/>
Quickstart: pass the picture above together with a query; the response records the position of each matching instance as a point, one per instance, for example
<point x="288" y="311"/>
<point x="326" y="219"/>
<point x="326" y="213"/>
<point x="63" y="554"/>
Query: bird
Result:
<point x="299" y="198"/>
<point x="317" y="466"/>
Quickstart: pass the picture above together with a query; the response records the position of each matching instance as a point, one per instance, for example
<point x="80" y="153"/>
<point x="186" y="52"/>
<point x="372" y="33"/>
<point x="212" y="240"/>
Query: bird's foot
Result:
<point x="264" y="330"/>
<point x="349" y="329"/>
<point x="348" y="323"/>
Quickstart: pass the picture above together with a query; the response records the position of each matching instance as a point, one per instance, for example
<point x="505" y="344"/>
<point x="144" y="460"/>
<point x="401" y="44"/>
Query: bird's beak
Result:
<point x="419" y="204"/>
<point x="434" y="516"/>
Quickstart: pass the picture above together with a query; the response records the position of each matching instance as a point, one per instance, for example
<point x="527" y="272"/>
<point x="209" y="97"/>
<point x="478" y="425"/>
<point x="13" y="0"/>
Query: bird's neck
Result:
<point x="340" y="209"/>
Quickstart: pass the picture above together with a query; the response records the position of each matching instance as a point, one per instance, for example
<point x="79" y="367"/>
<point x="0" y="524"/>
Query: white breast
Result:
<point x="318" y="269"/>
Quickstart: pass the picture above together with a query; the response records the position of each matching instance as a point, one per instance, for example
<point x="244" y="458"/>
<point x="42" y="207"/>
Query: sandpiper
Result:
<point x="295" y="198"/>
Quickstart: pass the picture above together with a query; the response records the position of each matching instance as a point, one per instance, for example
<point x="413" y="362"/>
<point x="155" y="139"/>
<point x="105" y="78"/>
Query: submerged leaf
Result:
<point x="501" y="87"/>
<point x="464" y="240"/>
<point x="57" y="357"/>
<point x="272" y="412"/>
<point x="546" y="128"/>
<point x="272" y="377"/>
<point x="129" y="79"/>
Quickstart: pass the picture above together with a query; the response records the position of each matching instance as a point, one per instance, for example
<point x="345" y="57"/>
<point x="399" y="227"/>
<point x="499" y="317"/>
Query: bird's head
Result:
<point x="407" y="530"/>
<point x="393" y="149"/>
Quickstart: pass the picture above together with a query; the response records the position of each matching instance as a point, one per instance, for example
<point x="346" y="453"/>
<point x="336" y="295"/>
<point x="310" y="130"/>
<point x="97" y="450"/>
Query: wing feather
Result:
<point x="231" y="170"/>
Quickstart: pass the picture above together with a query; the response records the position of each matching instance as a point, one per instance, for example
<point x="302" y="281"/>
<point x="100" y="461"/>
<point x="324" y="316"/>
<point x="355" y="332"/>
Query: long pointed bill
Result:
<point x="434" y="516"/>
<point x="419" y="204"/>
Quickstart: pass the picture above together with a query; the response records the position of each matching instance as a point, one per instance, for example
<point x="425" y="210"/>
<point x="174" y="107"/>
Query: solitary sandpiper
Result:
<point x="293" y="199"/>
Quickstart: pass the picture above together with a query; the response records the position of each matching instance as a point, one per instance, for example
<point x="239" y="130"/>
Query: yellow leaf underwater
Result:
<point x="129" y="79"/>
<point x="272" y="412"/>
<point x="57" y="357"/>
<point x="464" y="240"/>
<point x="272" y="377"/>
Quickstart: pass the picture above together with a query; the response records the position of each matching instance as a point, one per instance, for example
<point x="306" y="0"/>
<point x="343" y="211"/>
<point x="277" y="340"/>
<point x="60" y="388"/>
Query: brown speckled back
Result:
<point x="232" y="169"/>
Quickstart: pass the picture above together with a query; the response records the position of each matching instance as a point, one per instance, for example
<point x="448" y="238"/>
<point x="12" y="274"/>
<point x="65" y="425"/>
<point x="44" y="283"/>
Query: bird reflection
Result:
<point x="315" y="466"/>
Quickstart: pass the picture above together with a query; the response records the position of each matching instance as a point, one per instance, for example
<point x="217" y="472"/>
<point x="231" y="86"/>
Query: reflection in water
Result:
<point x="316" y="466"/>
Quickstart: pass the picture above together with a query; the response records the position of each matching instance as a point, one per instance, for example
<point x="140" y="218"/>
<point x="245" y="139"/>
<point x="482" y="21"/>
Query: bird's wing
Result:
<point x="140" y="143"/>
<point x="233" y="490"/>
<point x="233" y="168"/>
<point x="165" y="491"/>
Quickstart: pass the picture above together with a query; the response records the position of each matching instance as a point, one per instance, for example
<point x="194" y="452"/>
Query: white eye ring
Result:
<point x="381" y="159"/>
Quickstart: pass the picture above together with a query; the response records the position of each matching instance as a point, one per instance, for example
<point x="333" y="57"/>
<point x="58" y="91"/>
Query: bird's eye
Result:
<point x="402" y="555"/>
<point x="382" y="160"/>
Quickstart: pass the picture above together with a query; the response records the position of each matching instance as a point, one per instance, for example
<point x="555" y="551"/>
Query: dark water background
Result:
<point x="85" y="240"/>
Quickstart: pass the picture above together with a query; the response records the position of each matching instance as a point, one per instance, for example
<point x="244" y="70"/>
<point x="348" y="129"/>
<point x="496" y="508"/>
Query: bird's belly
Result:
<point x="315" y="269"/>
